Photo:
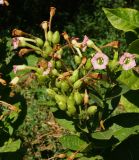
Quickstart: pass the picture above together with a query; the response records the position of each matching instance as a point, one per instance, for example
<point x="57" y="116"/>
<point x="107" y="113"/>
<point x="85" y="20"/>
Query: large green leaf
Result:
<point x="117" y="131"/>
<point x="128" y="106"/>
<point x="32" y="60"/>
<point x="66" y="124"/>
<point x="73" y="142"/>
<point x="130" y="79"/>
<point x="10" y="146"/>
<point x="125" y="19"/>
<point x="134" y="47"/>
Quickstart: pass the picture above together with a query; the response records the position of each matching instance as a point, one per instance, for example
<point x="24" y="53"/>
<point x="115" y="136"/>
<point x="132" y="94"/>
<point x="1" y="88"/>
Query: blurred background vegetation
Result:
<point x="77" y="18"/>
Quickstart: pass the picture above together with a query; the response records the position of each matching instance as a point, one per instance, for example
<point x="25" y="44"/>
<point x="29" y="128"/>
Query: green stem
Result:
<point x="33" y="47"/>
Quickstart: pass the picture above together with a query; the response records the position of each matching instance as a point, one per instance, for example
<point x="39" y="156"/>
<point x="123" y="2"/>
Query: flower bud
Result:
<point x="86" y="97"/>
<point x="52" y="11"/>
<point x="44" y="25"/>
<point x="62" y="155"/>
<point x="17" y="32"/>
<point x="56" y="37"/>
<point x="24" y="51"/>
<point x="2" y="81"/>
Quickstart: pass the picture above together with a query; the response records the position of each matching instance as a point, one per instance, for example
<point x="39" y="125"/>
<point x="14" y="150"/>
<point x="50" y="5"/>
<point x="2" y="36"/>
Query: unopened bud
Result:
<point x="62" y="155"/>
<point x="86" y="97"/>
<point x="2" y="81"/>
<point x="17" y="32"/>
<point x="84" y="59"/>
<point x="52" y="11"/>
<point x="24" y="51"/>
<point x="65" y="35"/>
<point x="44" y="25"/>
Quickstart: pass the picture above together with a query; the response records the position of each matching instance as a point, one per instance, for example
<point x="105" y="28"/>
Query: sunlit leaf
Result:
<point x="125" y="19"/>
<point x="134" y="47"/>
<point x="10" y="146"/>
<point x="72" y="142"/>
<point x="130" y="79"/>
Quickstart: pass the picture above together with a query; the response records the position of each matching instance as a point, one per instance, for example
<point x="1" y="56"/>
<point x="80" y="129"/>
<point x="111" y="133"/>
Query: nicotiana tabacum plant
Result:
<point x="84" y="84"/>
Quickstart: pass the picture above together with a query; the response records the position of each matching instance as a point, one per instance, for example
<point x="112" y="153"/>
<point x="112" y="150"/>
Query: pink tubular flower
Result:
<point x="18" y="67"/>
<point x="47" y="71"/>
<point x="127" y="61"/>
<point x="99" y="61"/>
<point x="84" y="43"/>
<point x="17" y="41"/>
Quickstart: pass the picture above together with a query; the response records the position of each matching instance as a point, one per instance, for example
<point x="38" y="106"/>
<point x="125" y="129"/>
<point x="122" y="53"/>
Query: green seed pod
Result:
<point x="92" y="110"/>
<point x="41" y="78"/>
<point x="71" y="109"/>
<point x="61" y="100"/>
<point x="38" y="52"/>
<point x="51" y="92"/>
<point x="83" y="71"/>
<point x="70" y="100"/>
<point x="60" y="51"/>
<point x="54" y="72"/>
<point x="48" y="50"/>
<point x="50" y="36"/>
<point x="88" y="64"/>
<point x="58" y="83"/>
<point x="46" y="44"/>
<point x="39" y="42"/>
<point x="75" y="76"/>
<point x="64" y="86"/>
<point x="62" y="106"/>
<point x="77" y="84"/>
<point x="58" y="64"/>
<point x="78" y="97"/>
<point x="77" y="59"/>
<point x="56" y="37"/>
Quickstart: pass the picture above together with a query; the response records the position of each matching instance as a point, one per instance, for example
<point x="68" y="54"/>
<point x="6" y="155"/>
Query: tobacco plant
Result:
<point x="90" y="92"/>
